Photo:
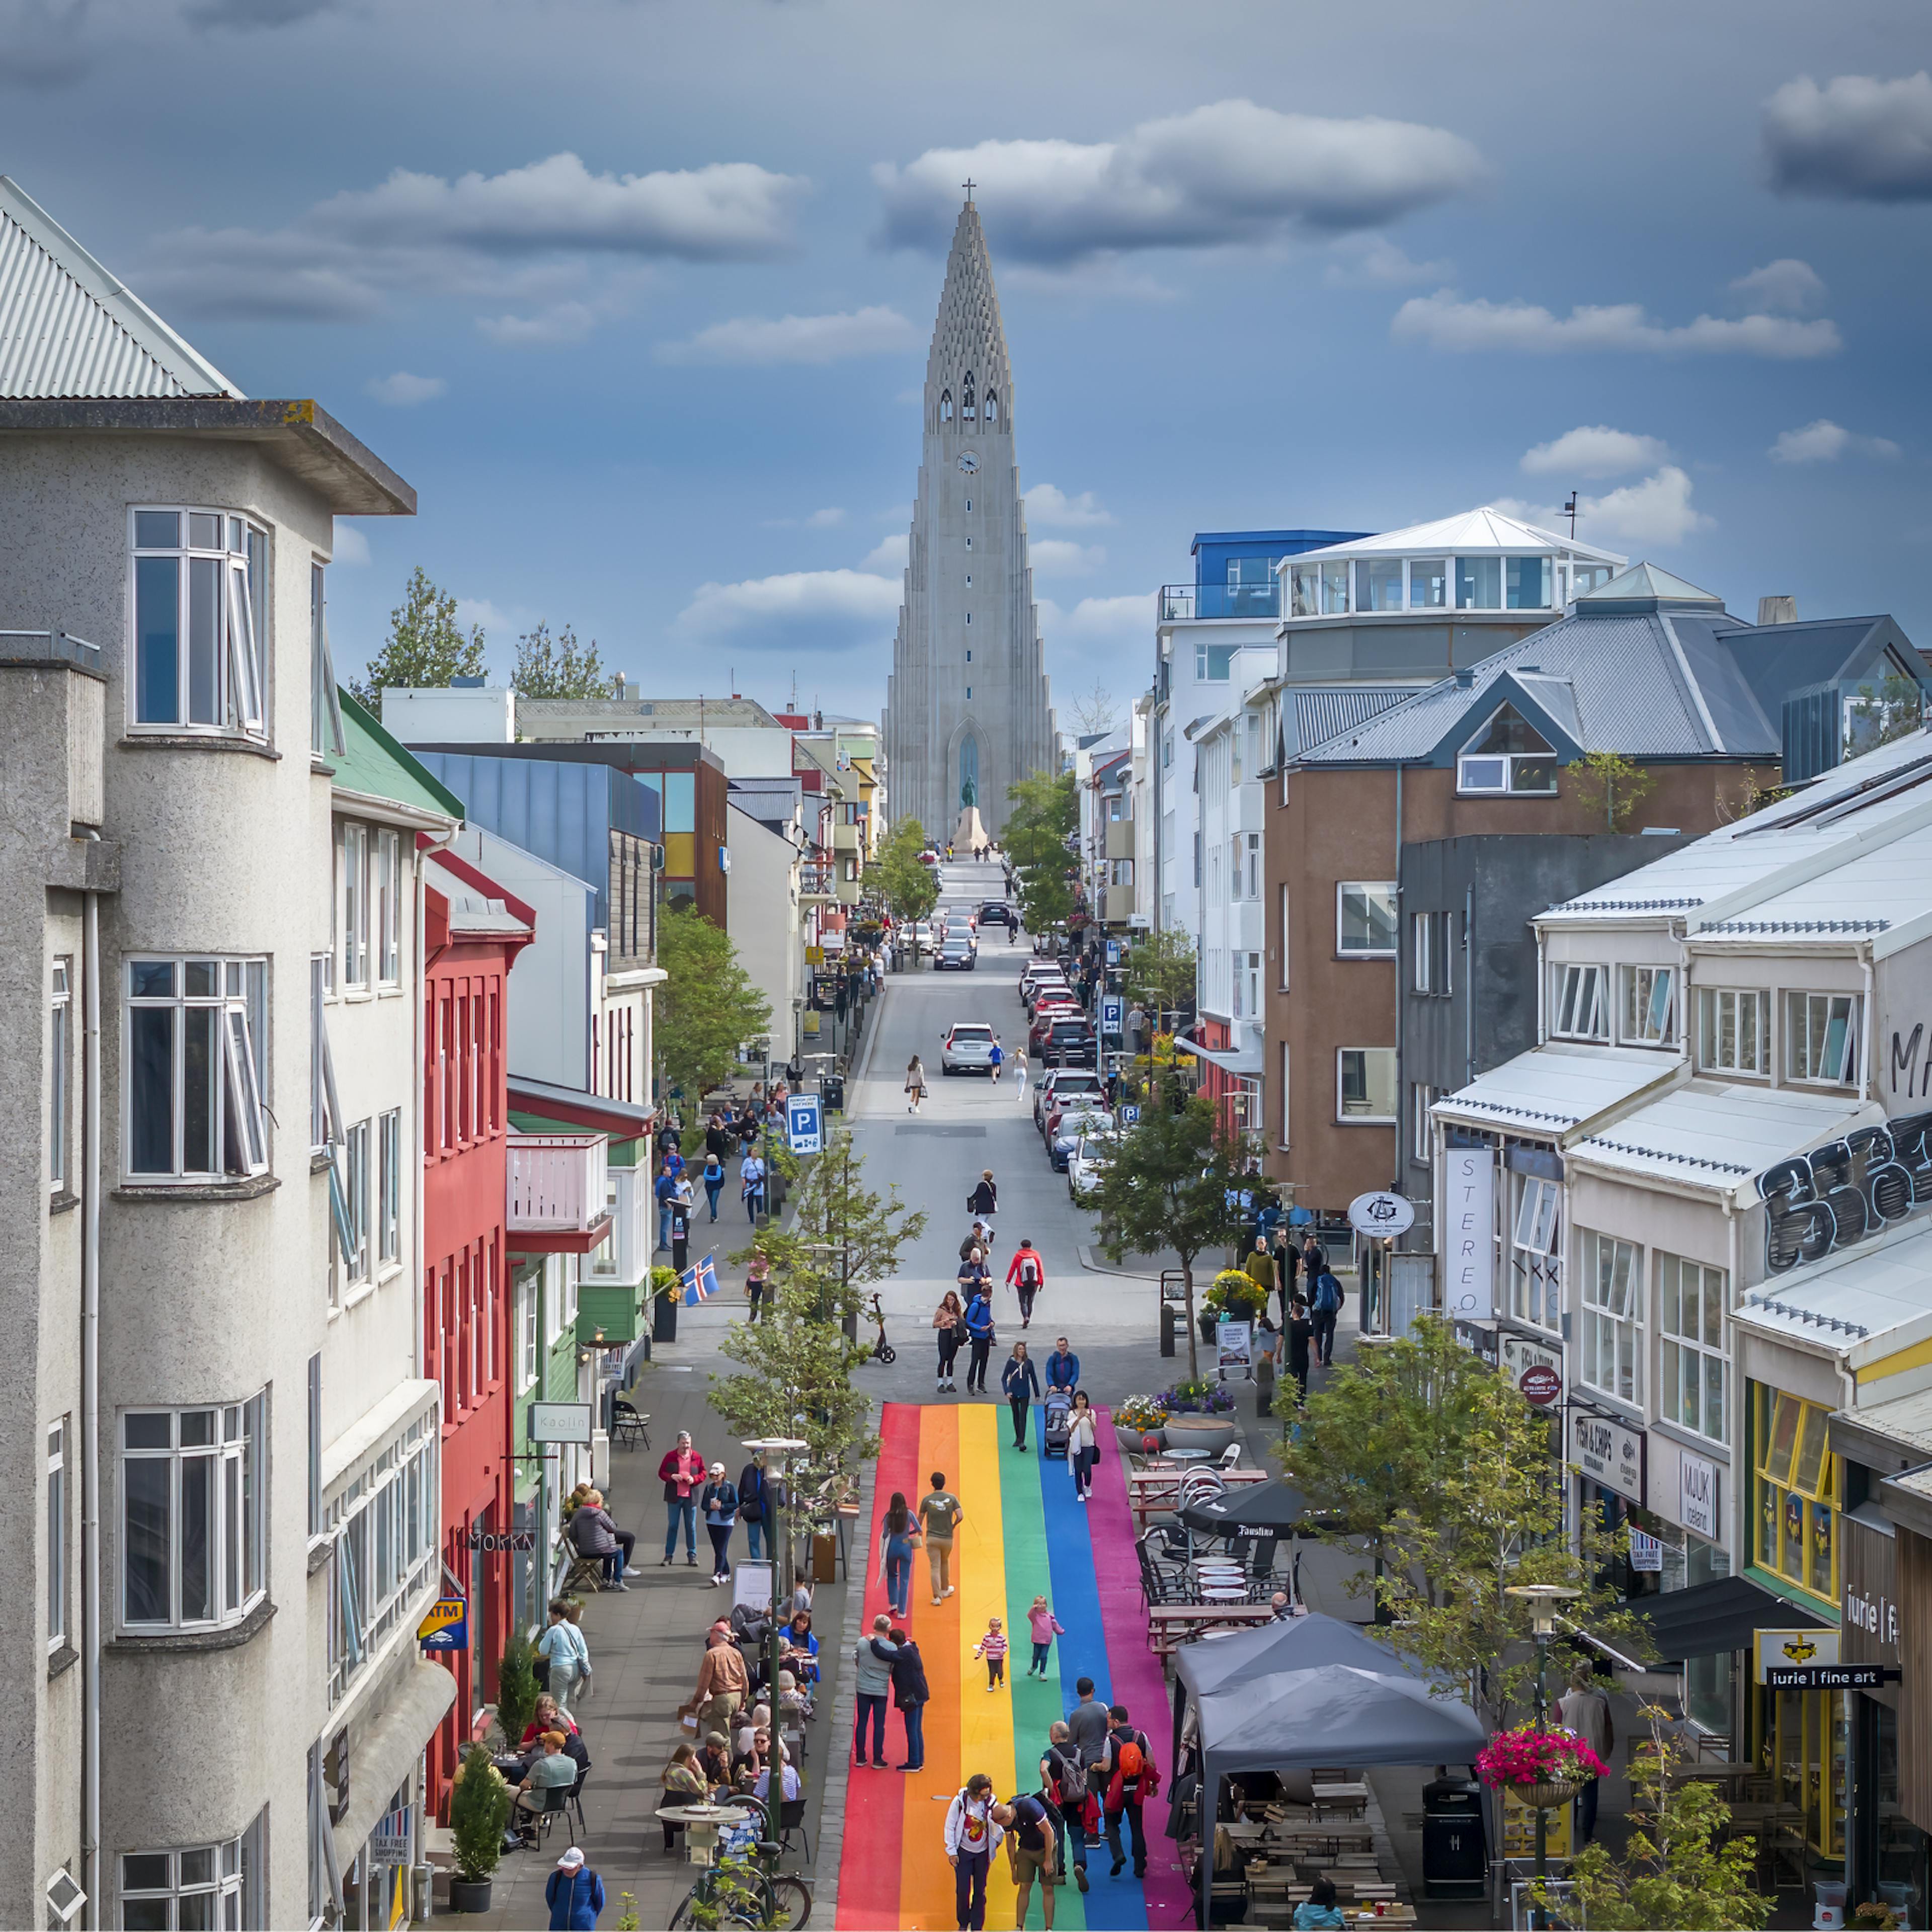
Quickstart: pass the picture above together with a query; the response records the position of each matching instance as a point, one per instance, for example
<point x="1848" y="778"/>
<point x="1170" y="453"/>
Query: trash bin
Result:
<point x="831" y="1093"/>
<point x="1455" y="1858"/>
<point x="1169" y="1321"/>
<point x="664" y="1318"/>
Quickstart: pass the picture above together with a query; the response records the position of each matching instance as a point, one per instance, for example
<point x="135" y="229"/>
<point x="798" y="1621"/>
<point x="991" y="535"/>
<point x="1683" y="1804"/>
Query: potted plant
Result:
<point x="1137" y="1419"/>
<point x="1544" y="1769"/>
<point x="516" y="1689"/>
<point x="1236" y="1296"/>
<point x="665" y="1288"/>
<point x="479" y="1808"/>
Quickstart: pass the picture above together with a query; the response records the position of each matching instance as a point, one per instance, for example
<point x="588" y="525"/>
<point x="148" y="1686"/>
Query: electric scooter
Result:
<point x="883" y="1351"/>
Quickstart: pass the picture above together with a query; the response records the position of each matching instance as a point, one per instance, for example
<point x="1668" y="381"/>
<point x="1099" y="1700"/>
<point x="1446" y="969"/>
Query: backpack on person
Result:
<point x="1029" y="1272"/>
<point x="1327" y="1296"/>
<point x="1070" y="1776"/>
<point x="1136" y="1777"/>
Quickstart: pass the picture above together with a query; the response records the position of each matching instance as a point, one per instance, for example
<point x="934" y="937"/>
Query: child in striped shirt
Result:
<point x="993" y="1648"/>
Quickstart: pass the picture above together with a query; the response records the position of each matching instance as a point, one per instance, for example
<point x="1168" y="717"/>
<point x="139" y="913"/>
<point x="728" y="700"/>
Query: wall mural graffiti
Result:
<point x="1840" y="1192"/>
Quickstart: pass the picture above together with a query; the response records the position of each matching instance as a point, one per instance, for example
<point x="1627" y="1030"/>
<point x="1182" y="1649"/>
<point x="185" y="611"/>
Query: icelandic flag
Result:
<point x="700" y="1283"/>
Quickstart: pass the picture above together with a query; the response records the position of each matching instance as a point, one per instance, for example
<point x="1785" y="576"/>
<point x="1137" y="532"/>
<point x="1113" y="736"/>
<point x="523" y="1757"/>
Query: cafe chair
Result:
<point x="791" y="1818"/>
<point x="629" y="1427"/>
<point x="574" y="1800"/>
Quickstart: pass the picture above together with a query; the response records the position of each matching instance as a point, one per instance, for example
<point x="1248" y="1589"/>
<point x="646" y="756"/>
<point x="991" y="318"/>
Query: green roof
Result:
<point x="375" y="765"/>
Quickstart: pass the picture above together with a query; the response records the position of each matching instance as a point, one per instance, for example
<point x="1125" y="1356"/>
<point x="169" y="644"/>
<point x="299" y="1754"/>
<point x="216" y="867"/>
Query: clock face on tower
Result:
<point x="969" y="463"/>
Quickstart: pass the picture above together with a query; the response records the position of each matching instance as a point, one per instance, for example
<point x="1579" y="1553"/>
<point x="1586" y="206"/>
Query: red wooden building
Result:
<point x="473" y="931"/>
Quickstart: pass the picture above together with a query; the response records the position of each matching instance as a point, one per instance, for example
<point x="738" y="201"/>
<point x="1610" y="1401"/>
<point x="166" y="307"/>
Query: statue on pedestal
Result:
<point x="969" y="794"/>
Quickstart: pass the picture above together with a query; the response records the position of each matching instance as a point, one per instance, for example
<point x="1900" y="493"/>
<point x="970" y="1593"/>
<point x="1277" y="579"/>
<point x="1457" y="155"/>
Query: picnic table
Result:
<point x="1352" y="1797"/>
<point x="1170" y="1625"/>
<point x="1152" y="1492"/>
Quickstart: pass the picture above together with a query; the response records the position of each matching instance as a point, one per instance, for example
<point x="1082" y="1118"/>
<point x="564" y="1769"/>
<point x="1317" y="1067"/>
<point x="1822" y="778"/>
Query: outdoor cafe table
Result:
<point x="1170" y="1625"/>
<point x="1155" y="1493"/>
<point x="1353" y="1797"/>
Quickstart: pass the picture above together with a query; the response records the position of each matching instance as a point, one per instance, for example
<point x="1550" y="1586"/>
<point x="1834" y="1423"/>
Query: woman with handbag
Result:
<point x="949" y="1323"/>
<point x="915" y="1084"/>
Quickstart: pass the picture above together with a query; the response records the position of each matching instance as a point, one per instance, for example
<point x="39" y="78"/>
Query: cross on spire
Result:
<point x="969" y="186"/>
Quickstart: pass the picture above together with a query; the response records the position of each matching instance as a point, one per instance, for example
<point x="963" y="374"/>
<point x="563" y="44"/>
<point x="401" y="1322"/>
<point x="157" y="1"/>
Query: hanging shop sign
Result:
<point x="1608" y="1452"/>
<point x="1793" y="1650"/>
<point x="1468" y="1221"/>
<point x="1697" y="1495"/>
<point x="1539" y="1383"/>
<point x="1382" y="1213"/>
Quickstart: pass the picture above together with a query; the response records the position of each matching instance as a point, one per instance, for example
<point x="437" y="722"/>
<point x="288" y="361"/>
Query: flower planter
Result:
<point x="1551" y="1797"/>
<point x="469" y="1895"/>
<point x="1132" y="1441"/>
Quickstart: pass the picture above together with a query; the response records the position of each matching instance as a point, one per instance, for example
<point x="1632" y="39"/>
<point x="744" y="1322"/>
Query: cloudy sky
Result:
<point x="637" y="293"/>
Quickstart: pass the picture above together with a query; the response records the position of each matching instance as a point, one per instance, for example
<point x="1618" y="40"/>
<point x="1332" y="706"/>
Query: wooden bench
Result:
<point x="1170" y="1625"/>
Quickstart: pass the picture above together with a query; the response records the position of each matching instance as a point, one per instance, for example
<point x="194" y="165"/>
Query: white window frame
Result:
<point x="323" y="1129"/>
<point x="225" y="1880"/>
<point x="383" y="1527"/>
<point x="1639" y="1022"/>
<point x="240" y="1009"/>
<point x="237" y="559"/>
<point x="59" y="1547"/>
<point x="1254" y="839"/>
<point x="389" y="1189"/>
<point x="1610" y="1316"/>
<point x="358" y="1180"/>
<point x="1811" y="1059"/>
<point x="530" y="1353"/>
<point x="1422" y="1123"/>
<point x="351" y="887"/>
<point x="1343" y="1117"/>
<point x="1718" y="1006"/>
<point x="1696" y="1354"/>
<point x="60" y="1074"/>
<point x="237" y="1448"/>
<point x="1365" y="888"/>
<point x="387" y="928"/>
<point x="1536" y="1251"/>
<point x="1287" y="1089"/>
<point x="1579" y="1002"/>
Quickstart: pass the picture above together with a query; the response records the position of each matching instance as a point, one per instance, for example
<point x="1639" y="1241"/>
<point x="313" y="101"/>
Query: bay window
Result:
<point x="1732" y="1034"/>
<point x="1821" y="1038"/>
<point x="1694" y="1374"/>
<point x="1304" y="590"/>
<point x="191" y="1515"/>
<point x="1536" y="1252"/>
<point x="383" y="1521"/>
<point x="1379" y="584"/>
<point x="217" y="1888"/>
<point x="1526" y="583"/>
<point x="1334" y="589"/>
<point x="1428" y="583"/>
<point x="1479" y="583"/>
<point x="200" y="608"/>
<point x="1611" y="1354"/>
<point x="196" y="1032"/>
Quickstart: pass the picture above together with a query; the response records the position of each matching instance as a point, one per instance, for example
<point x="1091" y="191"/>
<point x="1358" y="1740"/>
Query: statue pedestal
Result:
<point x="969" y="833"/>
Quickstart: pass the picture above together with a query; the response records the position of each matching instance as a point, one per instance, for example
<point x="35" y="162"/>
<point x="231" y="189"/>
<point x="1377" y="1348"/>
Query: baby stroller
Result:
<point x="1056" y="1423"/>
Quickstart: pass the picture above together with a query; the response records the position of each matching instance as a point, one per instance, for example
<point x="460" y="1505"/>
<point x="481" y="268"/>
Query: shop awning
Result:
<point x="1708" y="1618"/>
<point x="1244" y="1062"/>
<point x="382" y="1757"/>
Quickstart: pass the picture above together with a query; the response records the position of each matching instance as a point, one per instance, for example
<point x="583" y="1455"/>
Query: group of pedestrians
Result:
<point x="694" y="1489"/>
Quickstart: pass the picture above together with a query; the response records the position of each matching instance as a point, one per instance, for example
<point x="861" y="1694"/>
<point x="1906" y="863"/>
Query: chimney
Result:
<point x="1777" y="609"/>
<point x="1465" y="678"/>
<point x="620" y="687"/>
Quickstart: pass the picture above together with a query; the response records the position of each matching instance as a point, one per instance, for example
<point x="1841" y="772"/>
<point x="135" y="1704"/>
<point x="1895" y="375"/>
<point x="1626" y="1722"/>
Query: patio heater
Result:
<point x="1544" y="1599"/>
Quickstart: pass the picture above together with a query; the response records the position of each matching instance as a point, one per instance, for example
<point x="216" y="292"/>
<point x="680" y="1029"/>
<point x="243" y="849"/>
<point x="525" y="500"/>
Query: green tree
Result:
<point x="1678" y="1869"/>
<point x="561" y="668"/>
<point x="479" y="1808"/>
<point x="1170" y="1183"/>
<point x="1045" y="813"/>
<point x="516" y="1687"/>
<point x="910" y="887"/>
<point x="1159" y="974"/>
<point x="1609" y="786"/>
<point x="1437" y="1467"/>
<point x="707" y="1008"/>
<point x="426" y="646"/>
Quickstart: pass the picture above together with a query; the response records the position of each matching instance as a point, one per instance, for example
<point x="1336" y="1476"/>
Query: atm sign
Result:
<point x="446" y="1627"/>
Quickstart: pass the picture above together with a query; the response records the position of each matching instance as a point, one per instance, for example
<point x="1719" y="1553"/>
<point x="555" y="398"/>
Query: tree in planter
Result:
<point x="516" y="1688"/>
<point x="706" y="1008"/>
<point x="1437" y="1467"/>
<point x="1173" y="1181"/>
<point x="908" y="885"/>
<point x="1674" y="1870"/>
<point x="479" y="1808"/>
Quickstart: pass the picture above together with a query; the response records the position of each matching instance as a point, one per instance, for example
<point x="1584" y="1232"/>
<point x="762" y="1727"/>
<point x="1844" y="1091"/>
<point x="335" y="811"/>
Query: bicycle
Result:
<point x="746" y="1888"/>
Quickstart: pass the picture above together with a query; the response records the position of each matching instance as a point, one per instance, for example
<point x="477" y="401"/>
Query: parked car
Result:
<point x="996" y="912"/>
<point x="1067" y="1129"/>
<point x="966" y="1047"/>
<point x="1084" y="1167"/>
<point x="1046" y="1015"/>
<point x="1059" y="1085"/>
<point x="957" y="955"/>
<point x="1069" y="1041"/>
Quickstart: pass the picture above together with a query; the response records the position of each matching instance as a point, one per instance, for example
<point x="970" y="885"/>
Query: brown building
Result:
<point x="1646" y="668"/>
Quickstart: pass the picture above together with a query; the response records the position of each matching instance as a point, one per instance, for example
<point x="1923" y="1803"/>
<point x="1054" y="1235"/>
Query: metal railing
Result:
<point x="1181" y="603"/>
<point x="556" y="1182"/>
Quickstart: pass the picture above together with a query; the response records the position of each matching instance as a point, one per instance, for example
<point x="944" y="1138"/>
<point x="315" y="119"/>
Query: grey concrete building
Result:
<point x="211" y="1408"/>
<point x="968" y="705"/>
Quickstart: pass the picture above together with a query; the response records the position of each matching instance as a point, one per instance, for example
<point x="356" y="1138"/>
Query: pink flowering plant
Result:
<point x="1527" y="1756"/>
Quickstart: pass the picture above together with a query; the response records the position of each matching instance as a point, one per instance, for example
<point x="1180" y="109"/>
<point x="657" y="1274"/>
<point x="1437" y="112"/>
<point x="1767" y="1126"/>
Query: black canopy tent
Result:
<point x="1722" y="1615"/>
<point x="1306" y="1691"/>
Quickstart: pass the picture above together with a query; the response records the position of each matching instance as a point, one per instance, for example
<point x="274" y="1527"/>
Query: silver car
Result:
<point x="1085" y="1165"/>
<point x="966" y="1049"/>
<point x="1076" y="1124"/>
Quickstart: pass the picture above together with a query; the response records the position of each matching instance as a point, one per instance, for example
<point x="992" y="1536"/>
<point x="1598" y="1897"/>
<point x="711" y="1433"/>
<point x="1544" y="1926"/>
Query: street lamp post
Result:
<point x="1543" y="1600"/>
<point x="774" y="1453"/>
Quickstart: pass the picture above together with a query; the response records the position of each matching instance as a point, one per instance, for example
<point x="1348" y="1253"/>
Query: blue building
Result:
<point x="1234" y="571"/>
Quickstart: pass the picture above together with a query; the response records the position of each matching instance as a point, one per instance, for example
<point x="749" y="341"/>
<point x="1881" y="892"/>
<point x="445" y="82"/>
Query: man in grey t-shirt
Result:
<point x="940" y="1514"/>
<point x="1086" y="1725"/>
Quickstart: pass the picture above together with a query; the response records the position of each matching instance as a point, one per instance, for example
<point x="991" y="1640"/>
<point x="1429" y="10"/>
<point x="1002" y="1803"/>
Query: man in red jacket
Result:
<point x="682" y="1470"/>
<point x="1026" y="1276"/>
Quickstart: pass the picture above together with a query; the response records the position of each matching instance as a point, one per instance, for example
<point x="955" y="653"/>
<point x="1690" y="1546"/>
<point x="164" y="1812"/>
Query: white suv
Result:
<point x="966" y="1049"/>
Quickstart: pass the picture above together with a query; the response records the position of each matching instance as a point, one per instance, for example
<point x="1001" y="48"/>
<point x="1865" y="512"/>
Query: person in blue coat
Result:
<point x="979" y="1334"/>
<point x="1021" y="1381"/>
<point x="574" y="1893"/>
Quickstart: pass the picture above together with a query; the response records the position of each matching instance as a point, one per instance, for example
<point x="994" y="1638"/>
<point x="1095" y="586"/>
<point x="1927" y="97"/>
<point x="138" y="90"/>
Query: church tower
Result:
<point x="967" y="703"/>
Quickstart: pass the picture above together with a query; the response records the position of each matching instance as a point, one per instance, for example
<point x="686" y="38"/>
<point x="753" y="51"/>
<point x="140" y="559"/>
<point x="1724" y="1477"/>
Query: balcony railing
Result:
<point x="557" y="1193"/>
<point x="1181" y="603"/>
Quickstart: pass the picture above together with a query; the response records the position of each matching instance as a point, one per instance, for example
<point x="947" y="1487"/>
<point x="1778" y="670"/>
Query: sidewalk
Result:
<point x="645" y="1647"/>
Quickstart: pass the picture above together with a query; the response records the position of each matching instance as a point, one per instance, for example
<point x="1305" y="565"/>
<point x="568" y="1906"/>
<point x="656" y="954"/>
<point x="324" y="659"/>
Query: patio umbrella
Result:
<point x="1255" y="1511"/>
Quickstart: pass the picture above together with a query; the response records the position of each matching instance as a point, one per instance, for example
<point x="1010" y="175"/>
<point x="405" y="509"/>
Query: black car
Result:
<point x="996" y="912"/>
<point x="1068" y="1043"/>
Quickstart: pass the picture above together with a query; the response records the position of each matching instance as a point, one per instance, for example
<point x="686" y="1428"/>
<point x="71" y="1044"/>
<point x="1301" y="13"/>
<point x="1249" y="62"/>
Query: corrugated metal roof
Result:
<point x="1552" y="1088"/>
<point x="1875" y="1301"/>
<point x="373" y="765"/>
<point x="70" y="329"/>
<point x="1646" y="580"/>
<point x="1325" y="714"/>
<point x="1485" y="531"/>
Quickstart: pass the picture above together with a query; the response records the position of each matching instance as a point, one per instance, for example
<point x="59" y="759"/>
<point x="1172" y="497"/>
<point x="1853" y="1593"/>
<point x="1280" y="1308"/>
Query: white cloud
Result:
<point x="523" y="234"/>
<point x="1052" y="509"/>
<point x="888" y="556"/>
<point x="351" y="547"/>
<point x="402" y="391"/>
<point x="1228" y="172"/>
<point x="1856" y="138"/>
<point x="1444" y="321"/>
<point x="1597" y="451"/>
<point x="827" y="519"/>
<point x="814" y="339"/>
<point x="1054" y="556"/>
<point x="1785" y="286"/>
<point x="562" y="323"/>
<point x="1825" y="441"/>
<point x="1656" y="511"/>
<point x="1096" y="623"/>
<point x="1374" y="262"/>
<point x="480" y="611"/>
<point x="826" y="610"/>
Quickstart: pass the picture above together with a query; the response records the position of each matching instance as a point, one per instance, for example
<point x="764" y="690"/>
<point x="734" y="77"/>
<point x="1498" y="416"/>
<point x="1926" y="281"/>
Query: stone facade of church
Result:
<point x="967" y="707"/>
